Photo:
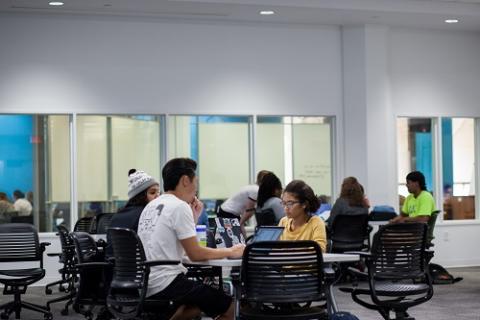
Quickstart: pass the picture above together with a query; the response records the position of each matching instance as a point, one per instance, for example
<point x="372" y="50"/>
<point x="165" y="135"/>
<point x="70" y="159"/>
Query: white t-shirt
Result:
<point x="163" y="223"/>
<point x="23" y="207"/>
<point x="237" y="203"/>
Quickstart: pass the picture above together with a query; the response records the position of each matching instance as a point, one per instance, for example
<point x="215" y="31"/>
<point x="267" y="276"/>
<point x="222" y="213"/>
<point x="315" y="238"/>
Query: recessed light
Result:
<point x="267" y="12"/>
<point x="451" y="21"/>
<point x="56" y="3"/>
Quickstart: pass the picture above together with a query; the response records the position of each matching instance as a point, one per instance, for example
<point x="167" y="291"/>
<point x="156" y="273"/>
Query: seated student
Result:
<point x="167" y="231"/>
<point x="419" y="204"/>
<point x="142" y="189"/>
<point x="352" y="200"/>
<point x="269" y="196"/>
<point x="21" y="205"/>
<point x="300" y="223"/>
<point x="242" y="204"/>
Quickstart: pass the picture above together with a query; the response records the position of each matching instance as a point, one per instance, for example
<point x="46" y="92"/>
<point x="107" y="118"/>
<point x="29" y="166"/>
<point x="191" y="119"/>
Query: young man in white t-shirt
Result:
<point x="167" y="230"/>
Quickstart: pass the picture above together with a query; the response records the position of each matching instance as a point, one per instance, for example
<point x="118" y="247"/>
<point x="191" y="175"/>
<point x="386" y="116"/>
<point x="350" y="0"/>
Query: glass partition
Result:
<point x="35" y="170"/>
<point x="458" y="158"/>
<point x="107" y="147"/>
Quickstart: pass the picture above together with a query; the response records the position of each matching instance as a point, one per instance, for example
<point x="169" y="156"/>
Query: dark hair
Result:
<point x="270" y="184"/>
<point x="139" y="200"/>
<point x="260" y="175"/>
<point x="175" y="169"/>
<point x="417" y="176"/>
<point x="304" y="194"/>
<point x="352" y="191"/>
<point x="18" y="194"/>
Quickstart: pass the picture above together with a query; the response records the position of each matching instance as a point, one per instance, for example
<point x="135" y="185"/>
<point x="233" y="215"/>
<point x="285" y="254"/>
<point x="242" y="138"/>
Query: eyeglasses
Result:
<point x="289" y="204"/>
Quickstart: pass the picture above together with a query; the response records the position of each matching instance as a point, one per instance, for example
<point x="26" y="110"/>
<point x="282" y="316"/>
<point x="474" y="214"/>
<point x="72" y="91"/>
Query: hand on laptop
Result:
<point x="236" y="251"/>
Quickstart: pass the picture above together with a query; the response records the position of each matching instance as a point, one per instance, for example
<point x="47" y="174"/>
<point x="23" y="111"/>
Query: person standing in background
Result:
<point x="269" y="193"/>
<point x="242" y="204"/>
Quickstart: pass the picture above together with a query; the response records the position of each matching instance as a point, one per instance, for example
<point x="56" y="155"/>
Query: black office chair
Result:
<point x="67" y="272"/>
<point x="19" y="243"/>
<point x="349" y="233"/>
<point x="266" y="217"/>
<point x="280" y="279"/>
<point x="431" y="227"/>
<point x="100" y="223"/>
<point x="397" y="275"/>
<point x="90" y="271"/>
<point x="83" y="224"/>
<point x="127" y="295"/>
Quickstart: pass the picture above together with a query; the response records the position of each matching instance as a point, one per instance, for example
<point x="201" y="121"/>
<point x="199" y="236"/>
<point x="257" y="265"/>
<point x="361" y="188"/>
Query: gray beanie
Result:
<point x="139" y="181"/>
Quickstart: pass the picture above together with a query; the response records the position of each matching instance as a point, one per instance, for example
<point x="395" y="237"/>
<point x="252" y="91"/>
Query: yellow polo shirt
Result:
<point x="314" y="230"/>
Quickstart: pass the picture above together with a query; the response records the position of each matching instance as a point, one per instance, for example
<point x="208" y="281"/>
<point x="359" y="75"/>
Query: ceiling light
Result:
<point x="55" y="3"/>
<point x="267" y="12"/>
<point x="451" y="20"/>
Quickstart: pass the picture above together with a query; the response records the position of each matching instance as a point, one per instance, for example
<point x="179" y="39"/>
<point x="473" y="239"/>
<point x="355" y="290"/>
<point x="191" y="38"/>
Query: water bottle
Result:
<point x="202" y="235"/>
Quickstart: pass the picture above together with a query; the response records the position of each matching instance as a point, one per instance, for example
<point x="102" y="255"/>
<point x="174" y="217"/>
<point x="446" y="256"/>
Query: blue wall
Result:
<point x="16" y="153"/>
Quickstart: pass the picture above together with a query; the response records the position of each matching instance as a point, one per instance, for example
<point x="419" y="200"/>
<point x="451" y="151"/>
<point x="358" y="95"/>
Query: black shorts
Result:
<point x="183" y="291"/>
<point x="225" y="214"/>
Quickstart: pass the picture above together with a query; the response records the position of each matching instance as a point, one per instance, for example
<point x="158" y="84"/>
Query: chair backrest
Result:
<point x="348" y="232"/>
<point x="83" y="224"/>
<point x="265" y="217"/>
<point x="130" y="275"/>
<point x="431" y="227"/>
<point x="19" y="242"/>
<point x="85" y="247"/>
<point x="22" y="219"/>
<point x="398" y="252"/>
<point x="282" y="272"/>
<point x="103" y="222"/>
<point x="68" y="246"/>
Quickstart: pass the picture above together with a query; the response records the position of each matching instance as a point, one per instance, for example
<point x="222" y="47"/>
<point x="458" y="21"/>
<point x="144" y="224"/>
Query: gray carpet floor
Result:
<point x="460" y="301"/>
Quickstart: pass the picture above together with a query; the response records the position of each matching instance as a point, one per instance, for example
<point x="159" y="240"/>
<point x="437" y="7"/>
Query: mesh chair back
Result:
<point x="83" y="224"/>
<point x="282" y="272"/>
<point x="19" y="242"/>
<point x="349" y="232"/>
<point x="103" y="222"/>
<point x="130" y="275"/>
<point x="265" y="217"/>
<point x="398" y="251"/>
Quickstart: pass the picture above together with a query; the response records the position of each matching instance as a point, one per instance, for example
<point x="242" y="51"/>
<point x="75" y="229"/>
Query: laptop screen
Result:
<point x="224" y="232"/>
<point x="268" y="233"/>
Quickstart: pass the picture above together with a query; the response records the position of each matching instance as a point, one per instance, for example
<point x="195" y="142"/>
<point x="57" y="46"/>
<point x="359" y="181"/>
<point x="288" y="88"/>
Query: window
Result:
<point x="296" y="148"/>
<point x="458" y="165"/>
<point x="219" y="144"/>
<point x="414" y="151"/>
<point x="35" y="160"/>
<point x="107" y="147"/>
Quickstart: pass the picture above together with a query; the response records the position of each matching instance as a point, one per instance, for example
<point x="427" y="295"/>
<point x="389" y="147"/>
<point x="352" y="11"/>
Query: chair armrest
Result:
<point x="152" y="263"/>
<point x="57" y="254"/>
<point x="43" y="245"/>
<point x="87" y="265"/>
<point x="362" y="254"/>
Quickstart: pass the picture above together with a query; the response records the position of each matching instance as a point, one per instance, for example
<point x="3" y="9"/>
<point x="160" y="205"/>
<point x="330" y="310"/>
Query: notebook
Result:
<point x="224" y="232"/>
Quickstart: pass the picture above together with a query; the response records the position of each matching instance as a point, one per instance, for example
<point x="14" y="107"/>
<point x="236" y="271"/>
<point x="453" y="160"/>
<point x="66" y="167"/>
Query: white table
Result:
<point x="327" y="258"/>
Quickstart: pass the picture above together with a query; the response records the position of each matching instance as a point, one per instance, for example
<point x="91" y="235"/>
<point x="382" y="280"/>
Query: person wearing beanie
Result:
<point x="142" y="188"/>
<point x="419" y="204"/>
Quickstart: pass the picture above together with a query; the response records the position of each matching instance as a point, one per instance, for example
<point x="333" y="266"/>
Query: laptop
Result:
<point x="267" y="233"/>
<point x="224" y="232"/>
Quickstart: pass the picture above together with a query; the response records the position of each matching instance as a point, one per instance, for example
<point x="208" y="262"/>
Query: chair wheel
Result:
<point x="48" y="291"/>
<point x="4" y="316"/>
<point x="48" y="316"/>
<point x="64" y="312"/>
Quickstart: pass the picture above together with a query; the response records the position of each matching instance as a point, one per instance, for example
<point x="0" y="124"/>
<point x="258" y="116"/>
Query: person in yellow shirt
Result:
<point x="300" y="223"/>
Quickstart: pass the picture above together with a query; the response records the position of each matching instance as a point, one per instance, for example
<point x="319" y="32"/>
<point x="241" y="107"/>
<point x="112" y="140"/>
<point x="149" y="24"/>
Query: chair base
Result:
<point x="17" y="305"/>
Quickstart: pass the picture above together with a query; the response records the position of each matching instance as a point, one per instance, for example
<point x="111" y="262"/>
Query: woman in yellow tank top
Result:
<point x="299" y="202"/>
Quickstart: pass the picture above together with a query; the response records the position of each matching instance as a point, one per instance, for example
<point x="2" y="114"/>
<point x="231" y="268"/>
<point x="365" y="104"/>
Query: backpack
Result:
<point x="440" y="275"/>
<point x="342" y="315"/>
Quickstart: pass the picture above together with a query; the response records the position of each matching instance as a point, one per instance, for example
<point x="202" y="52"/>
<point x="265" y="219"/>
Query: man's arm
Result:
<point x="405" y="218"/>
<point x="196" y="252"/>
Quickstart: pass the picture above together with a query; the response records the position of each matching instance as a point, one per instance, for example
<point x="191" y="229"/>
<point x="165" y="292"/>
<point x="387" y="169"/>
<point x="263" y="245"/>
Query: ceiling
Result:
<point x="410" y="13"/>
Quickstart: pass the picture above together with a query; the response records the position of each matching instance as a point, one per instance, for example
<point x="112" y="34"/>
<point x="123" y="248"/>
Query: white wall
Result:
<point x="76" y="64"/>
<point x="99" y="64"/>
